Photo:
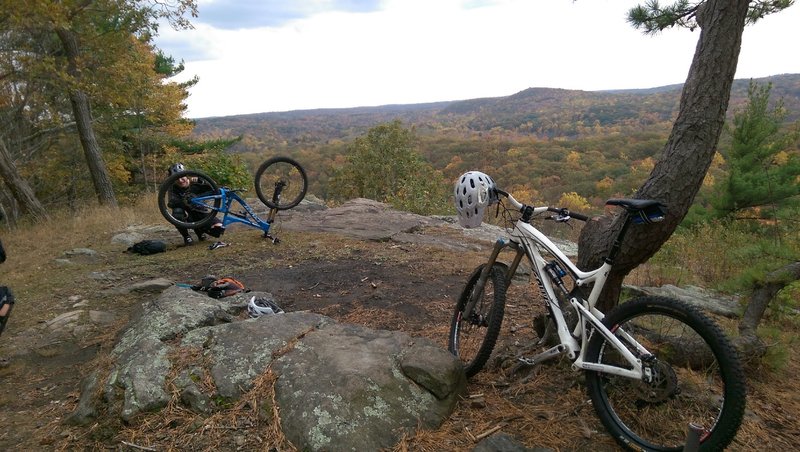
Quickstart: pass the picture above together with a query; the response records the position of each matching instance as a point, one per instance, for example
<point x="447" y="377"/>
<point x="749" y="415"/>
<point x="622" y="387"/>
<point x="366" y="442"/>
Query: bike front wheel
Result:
<point x="695" y="378"/>
<point x="197" y="205"/>
<point x="472" y="337"/>
<point x="281" y="183"/>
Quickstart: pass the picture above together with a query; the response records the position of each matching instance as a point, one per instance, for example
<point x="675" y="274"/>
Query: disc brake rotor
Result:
<point x="663" y="385"/>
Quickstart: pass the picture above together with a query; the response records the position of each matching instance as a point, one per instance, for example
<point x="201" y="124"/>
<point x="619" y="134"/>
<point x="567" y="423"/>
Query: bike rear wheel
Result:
<point x="472" y="338"/>
<point x="200" y="206"/>
<point x="696" y="378"/>
<point x="281" y="183"/>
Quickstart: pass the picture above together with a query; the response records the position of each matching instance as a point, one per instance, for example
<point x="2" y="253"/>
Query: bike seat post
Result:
<point x="617" y="244"/>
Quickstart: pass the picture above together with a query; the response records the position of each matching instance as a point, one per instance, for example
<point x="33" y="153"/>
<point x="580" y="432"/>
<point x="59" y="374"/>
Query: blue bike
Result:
<point x="280" y="182"/>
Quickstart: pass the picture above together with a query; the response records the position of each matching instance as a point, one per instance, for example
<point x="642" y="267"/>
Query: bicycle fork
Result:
<point x="486" y="271"/>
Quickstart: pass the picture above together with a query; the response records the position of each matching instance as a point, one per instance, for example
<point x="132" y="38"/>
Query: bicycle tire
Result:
<point x="472" y="340"/>
<point x="697" y="378"/>
<point x="283" y="170"/>
<point x="212" y="203"/>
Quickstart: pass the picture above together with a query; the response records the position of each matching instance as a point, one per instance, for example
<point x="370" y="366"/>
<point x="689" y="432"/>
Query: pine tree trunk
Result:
<point x="680" y="171"/>
<point x="19" y="188"/>
<point x="83" y="119"/>
<point x="91" y="150"/>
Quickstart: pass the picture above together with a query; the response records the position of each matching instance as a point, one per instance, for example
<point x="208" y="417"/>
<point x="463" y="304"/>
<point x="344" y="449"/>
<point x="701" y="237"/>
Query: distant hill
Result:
<point x="542" y="112"/>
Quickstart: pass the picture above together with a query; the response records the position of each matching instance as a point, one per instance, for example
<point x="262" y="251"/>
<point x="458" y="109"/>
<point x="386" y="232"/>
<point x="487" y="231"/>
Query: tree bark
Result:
<point x="20" y="190"/>
<point x="83" y="119"/>
<point x="679" y="173"/>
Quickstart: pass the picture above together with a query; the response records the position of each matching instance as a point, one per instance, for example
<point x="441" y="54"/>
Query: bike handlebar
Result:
<point x="563" y="213"/>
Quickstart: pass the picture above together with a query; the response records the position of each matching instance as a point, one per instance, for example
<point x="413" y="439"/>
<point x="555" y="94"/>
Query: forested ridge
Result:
<point x="535" y="112"/>
<point x="541" y="142"/>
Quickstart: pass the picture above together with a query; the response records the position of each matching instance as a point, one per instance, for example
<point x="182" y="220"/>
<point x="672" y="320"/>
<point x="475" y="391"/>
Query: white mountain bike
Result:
<point x="661" y="375"/>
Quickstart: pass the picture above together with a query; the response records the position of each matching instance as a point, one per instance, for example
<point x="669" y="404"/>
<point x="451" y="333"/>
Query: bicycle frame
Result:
<point x="645" y="399"/>
<point x="527" y="240"/>
<point x="247" y="217"/>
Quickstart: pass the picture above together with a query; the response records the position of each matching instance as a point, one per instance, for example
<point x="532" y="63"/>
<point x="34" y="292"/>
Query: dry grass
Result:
<point x="32" y="268"/>
<point x="714" y="255"/>
<point x="29" y="246"/>
<point x="251" y="423"/>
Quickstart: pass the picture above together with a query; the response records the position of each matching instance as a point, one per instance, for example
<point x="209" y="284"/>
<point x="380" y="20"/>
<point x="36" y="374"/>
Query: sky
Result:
<point x="254" y="56"/>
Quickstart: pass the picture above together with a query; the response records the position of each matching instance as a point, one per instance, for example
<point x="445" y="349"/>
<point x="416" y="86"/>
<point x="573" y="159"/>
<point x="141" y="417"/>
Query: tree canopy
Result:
<point x="84" y="74"/>
<point x="763" y="167"/>
<point x="383" y="165"/>
<point x="653" y="17"/>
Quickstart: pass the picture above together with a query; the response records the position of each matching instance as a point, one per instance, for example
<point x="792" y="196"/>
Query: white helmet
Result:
<point x="258" y="306"/>
<point x="176" y="168"/>
<point x="474" y="191"/>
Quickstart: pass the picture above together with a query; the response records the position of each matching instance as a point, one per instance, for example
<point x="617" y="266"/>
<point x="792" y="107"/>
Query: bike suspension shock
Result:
<point x="556" y="273"/>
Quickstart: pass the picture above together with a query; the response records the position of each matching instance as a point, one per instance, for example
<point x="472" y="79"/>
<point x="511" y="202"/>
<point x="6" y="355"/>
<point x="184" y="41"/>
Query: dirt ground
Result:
<point x="380" y="284"/>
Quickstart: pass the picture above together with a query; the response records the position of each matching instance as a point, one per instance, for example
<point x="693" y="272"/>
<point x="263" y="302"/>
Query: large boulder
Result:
<point x="338" y="386"/>
<point x="352" y="388"/>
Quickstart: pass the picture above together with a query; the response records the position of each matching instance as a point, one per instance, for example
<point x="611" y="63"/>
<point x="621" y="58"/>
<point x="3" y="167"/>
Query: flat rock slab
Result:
<point x="362" y="218"/>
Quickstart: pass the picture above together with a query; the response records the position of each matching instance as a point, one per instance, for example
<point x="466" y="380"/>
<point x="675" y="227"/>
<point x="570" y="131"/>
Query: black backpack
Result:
<point x="146" y="247"/>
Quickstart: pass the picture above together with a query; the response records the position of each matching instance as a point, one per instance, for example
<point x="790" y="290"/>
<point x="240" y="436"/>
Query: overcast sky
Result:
<point x="257" y="56"/>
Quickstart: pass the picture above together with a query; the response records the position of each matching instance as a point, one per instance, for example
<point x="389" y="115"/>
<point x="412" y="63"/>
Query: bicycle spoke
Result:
<point x="472" y="336"/>
<point x="194" y="208"/>
<point x="281" y="183"/>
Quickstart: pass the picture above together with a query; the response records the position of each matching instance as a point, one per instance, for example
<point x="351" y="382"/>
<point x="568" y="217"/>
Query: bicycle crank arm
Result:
<point x="558" y="350"/>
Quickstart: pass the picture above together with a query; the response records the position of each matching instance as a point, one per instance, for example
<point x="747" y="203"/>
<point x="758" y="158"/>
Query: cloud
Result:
<point x="218" y="20"/>
<point x="243" y="14"/>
